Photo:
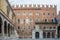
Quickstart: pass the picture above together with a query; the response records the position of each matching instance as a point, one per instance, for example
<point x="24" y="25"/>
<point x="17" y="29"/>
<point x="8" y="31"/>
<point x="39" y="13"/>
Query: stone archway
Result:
<point x="37" y="35"/>
<point x="0" y="25"/>
<point x="58" y="31"/>
<point x="5" y="27"/>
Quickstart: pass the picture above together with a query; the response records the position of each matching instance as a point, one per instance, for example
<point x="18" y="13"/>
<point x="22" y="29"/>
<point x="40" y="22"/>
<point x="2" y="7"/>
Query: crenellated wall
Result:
<point x="28" y="15"/>
<point x="34" y="6"/>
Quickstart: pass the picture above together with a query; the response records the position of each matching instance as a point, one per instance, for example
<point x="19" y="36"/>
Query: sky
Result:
<point x="44" y="2"/>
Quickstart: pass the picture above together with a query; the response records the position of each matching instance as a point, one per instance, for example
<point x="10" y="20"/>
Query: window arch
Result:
<point x="48" y="35"/>
<point x="0" y="25"/>
<point x="30" y="13"/>
<point x="37" y="19"/>
<point x="37" y="13"/>
<point x="52" y="20"/>
<point x="18" y="20"/>
<point x="30" y="19"/>
<point x="45" y="20"/>
<point x="18" y="27"/>
<point x="44" y="35"/>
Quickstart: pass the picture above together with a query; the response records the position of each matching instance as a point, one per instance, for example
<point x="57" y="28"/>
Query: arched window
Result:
<point x="18" y="27"/>
<point x="37" y="19"/>
<point x="48" y="13"/>
<point x="52" y="20"/>
<point x="30" y="20"/>
<point x="24" y="13"/>
<point x="0" y="25"/>
<point x="30" y="13"/>
<point x="37" y="13"/>
<point x="5" y="27"/>
<point x="44" y="27"/>
<point x="53" y="35"/>
<point x="18" y="20"/>
<point x="43" y="13"/>
<point x="44" y="35"/>
<point x="48" y="35"/>
<point x="18" y="13"/>
<point x="45" y="20"/>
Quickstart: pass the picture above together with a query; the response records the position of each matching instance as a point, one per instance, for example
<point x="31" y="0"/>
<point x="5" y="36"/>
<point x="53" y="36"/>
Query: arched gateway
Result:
<point x="37" y="33"/>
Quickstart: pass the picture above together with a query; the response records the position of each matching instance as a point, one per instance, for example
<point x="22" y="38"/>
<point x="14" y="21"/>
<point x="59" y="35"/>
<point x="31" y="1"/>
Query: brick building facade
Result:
<point x="36" y="21"/>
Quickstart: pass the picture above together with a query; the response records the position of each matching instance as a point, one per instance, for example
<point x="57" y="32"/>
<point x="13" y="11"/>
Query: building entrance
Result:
<point x="37" y="35"/>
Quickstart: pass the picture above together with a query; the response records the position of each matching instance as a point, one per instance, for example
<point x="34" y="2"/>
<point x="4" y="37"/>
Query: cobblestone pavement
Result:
<point x="30" y="39"/>
<point x="33" y="39"/>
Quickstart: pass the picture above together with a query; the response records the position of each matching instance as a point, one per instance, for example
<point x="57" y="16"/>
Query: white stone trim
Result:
<point x="37" y="30"/>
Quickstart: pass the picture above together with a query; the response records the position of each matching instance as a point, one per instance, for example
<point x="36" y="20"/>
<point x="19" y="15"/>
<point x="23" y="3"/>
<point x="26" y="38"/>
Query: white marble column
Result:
<point x="2" y="29"/>
<point x="41" y="34"/>
<point x="46" y="34"/>
<point x="7" y="29"/>
<point x="33" y="35"/>
<point x="50" y="34"/>
<point x="56" y="33"/>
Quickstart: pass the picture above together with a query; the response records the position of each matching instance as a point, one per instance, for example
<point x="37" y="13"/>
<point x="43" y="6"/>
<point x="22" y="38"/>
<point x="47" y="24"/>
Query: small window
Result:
<point x="53" y="14"/>
<point x="24" y="13"/>
<point x="18" y="20"/>
<point x="54" y="27"/>
<point x="18" y="13"/>
<point x="34" y="27"/>
<point x="22" y="30"/>
<point x="21" y="21"/>
<point x="18" y="27"/>
<point x="52" y="20"/>
<point x="48" y="13"/>
<point x="43" y="13"/>
<point x="37" y="20"/>
<point x="50" y="27"/>
<point x="45" y="20"/>
<point x="29" y="27"/>
<point x="30" y="13"/>
<point x="30" y="19"/>
<point x="37" y="14"/>
<point x="44" y="27"/>
<point x="24" y="27"/>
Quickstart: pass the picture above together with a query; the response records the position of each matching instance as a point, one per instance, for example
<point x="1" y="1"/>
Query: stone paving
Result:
<point x="30" y="39"/>
<point x="33" y="39"/>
